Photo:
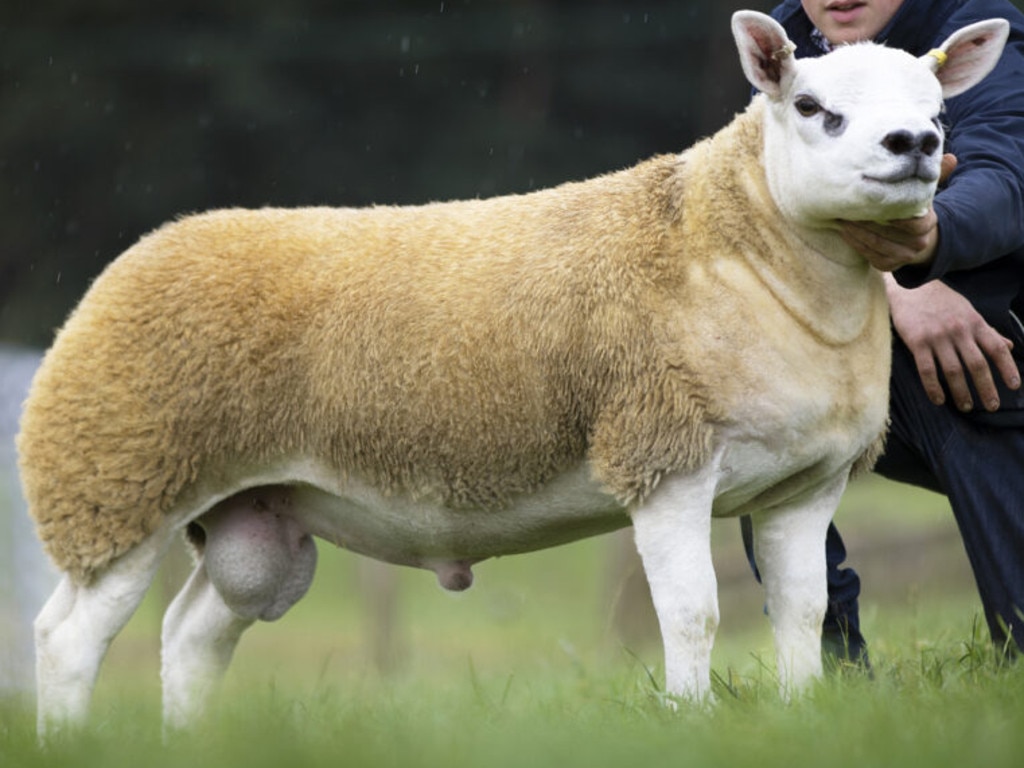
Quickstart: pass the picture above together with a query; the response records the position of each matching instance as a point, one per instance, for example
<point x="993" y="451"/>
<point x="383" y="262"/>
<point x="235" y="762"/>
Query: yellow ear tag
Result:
<point x="939" y="56"/>
<point x="784" y="52"/>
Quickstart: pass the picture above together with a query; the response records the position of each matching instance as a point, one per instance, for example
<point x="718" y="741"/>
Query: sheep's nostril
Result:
<point x="904" y="142"/>
<point x="929" y="142"/>
<point x="899" y="142"/>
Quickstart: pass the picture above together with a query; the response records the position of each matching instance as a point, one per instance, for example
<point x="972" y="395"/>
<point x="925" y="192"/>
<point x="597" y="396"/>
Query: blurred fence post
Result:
<point x="26" y="576"/>
<point x="378" y="591"/>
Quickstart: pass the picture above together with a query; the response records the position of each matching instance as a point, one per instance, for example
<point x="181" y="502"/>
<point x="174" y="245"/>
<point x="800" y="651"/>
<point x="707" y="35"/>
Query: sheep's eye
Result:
<point x="806" y="106"/>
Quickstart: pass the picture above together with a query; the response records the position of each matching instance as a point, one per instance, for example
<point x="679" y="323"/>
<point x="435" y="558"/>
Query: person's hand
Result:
<point x="944" y="332"/>
<point x="893" y="244"/>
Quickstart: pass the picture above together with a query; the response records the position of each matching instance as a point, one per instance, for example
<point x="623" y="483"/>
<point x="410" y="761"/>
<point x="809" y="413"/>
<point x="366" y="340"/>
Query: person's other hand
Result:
<point x="945" y="333"/>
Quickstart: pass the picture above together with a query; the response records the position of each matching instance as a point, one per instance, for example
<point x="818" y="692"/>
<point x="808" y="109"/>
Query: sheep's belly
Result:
<point x="399" y="529"/>
<point x="402" y="530"/>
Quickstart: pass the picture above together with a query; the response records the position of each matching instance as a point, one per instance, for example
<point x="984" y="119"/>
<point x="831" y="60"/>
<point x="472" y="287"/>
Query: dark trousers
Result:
<point x="979" y="467"/>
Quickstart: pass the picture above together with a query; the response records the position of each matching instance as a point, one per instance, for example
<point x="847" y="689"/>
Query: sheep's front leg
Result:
<point x="789" y="545"/>
<point x="673" y="537"/>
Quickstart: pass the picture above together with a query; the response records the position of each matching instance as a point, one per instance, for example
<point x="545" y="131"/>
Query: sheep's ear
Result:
<point x="968" y="55"/>
<point x="766" y="53"/>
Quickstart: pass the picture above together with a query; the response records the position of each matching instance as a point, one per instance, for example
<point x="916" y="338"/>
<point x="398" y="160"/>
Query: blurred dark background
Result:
<point x="117" y="116"/>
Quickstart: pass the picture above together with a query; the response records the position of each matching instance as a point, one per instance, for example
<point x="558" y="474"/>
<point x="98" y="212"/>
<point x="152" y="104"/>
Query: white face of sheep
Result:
<point x="857" y="134"/>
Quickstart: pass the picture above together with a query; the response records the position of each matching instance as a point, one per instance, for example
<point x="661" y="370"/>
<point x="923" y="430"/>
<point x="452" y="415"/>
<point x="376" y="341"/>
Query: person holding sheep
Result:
<point x="955" y="283"/>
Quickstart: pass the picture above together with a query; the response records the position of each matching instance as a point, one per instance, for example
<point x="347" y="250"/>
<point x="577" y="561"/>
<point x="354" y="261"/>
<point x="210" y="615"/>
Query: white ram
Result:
<point x="432" y="386"/>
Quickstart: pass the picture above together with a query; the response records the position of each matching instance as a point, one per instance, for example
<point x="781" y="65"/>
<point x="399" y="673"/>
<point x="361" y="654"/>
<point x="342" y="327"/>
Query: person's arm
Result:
<point x="942" y="329"/>
<point x="978" y="217"/>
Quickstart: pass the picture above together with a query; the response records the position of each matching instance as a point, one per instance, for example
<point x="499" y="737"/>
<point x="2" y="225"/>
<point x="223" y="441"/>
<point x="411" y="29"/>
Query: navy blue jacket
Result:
<point x="981" y="208"/>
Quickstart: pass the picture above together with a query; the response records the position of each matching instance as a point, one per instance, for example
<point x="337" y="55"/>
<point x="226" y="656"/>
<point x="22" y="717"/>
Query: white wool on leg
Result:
<point x="673" y="536"/>
<point x="789" y="544"/>
<point x="199" y="636"/>
<point x="75" y="628"/>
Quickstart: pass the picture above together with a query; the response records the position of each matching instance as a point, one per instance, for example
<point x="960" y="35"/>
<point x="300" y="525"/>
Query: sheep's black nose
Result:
<point x="905" y="142"/>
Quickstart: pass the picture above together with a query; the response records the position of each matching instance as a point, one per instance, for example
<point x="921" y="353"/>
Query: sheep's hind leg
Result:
<point x="257" y="562"/>
<point x="198" y="639"/>
<point x="75" y="628"/>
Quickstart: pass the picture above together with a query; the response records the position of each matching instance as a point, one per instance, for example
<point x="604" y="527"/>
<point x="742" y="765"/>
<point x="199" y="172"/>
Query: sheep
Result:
<point x="432" y="386"/>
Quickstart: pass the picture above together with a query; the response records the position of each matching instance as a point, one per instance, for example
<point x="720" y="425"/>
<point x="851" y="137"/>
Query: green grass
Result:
<point x="527" y="669"/>
<point x="951" y="706"/>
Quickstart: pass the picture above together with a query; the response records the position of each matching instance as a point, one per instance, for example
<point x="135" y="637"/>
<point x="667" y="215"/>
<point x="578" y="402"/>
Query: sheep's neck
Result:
<point x="811" y="272"/>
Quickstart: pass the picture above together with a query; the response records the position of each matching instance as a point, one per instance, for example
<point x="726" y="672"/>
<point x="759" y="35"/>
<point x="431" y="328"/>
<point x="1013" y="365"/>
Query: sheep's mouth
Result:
<point x="922" y="175"/>
<point x="900" y="178"/>
<point x="919" y="169"/>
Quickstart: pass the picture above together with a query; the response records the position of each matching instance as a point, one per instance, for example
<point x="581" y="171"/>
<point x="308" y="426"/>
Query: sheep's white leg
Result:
<point x="673" y="536"/>
<point x="199" y="637"/>
<point x="75" y="628"/>
<point x="789" y="544"/>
